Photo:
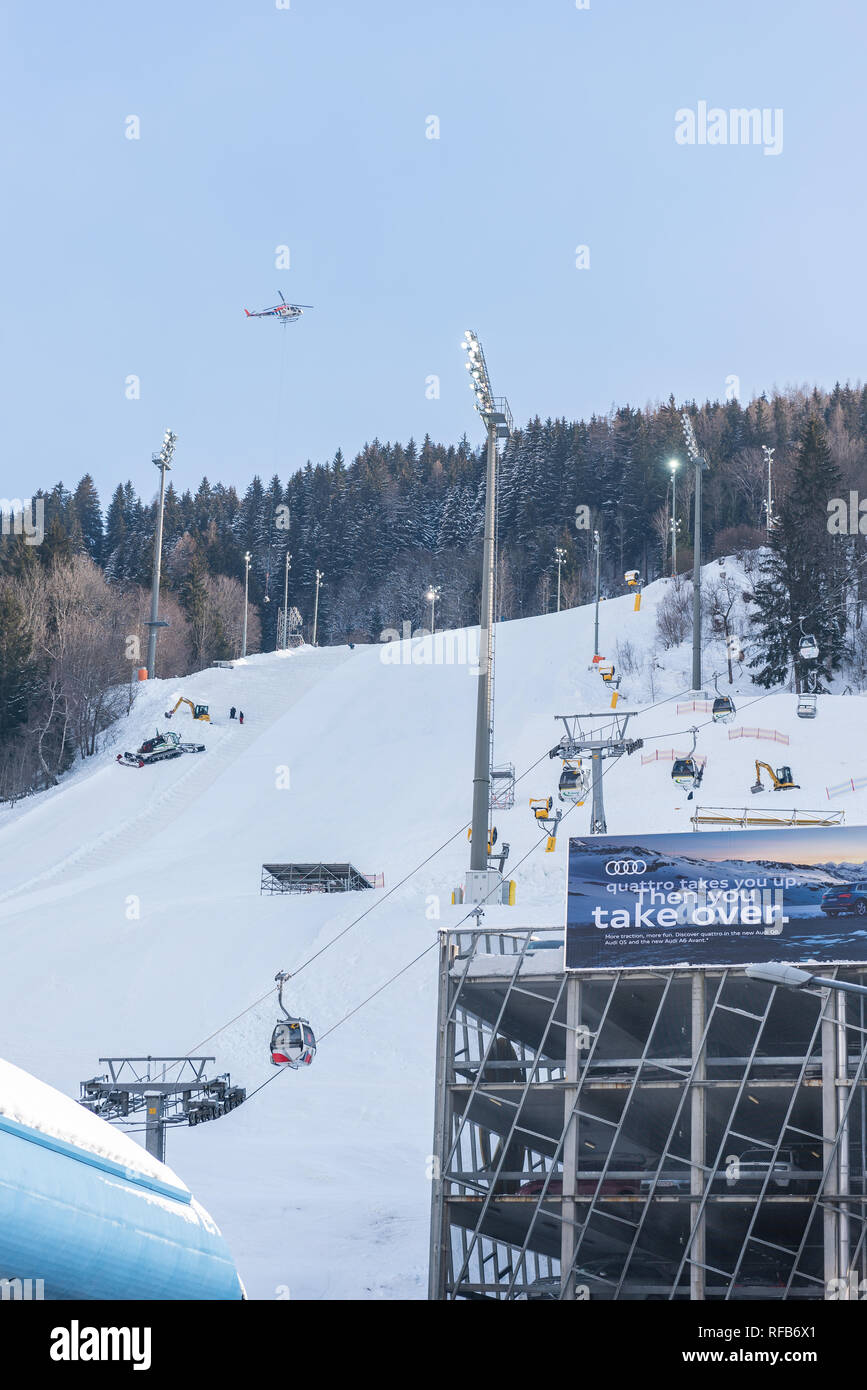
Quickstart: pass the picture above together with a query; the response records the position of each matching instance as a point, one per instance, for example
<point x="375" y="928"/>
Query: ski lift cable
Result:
<point x="421" y="954"/>
<point x="356" y="920"/>
<point x="256" y="1002"/>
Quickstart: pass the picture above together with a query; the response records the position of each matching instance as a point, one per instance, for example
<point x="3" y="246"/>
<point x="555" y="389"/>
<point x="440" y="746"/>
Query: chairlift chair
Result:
<point x="807" y="706"/>
<point x="293" y="1043"/>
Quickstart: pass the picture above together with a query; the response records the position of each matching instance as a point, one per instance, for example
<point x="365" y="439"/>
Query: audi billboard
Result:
<point x="724" y="898"/>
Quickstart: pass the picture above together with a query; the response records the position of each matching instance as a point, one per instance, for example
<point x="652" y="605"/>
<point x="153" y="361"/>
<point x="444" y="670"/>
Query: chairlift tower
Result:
<point x="497" y="417"/>
<point x="598" y="745"/>
<point x="136" y="1089"/>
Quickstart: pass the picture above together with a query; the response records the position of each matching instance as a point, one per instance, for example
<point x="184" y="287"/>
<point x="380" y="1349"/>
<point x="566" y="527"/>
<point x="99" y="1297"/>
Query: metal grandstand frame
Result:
<point x="316" y="878"/>
<point x="664" y="1134"/>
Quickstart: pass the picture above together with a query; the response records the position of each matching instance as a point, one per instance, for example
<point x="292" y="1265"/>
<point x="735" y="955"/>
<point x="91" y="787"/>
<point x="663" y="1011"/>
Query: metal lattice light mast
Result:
<point x="700" y="464"/>
<point x="674" y="464"/>
<point x="559" y="556"/>
<point x="247" y="558"/>
<point x="432" y="593"/>
<point x="498" y="423"/>
<point x="769" y="504"/>
<point x="285" y="642"/>
<point x="163" y="461"/>
<point x="320" y="575"/>
<point x="597" y="547"/>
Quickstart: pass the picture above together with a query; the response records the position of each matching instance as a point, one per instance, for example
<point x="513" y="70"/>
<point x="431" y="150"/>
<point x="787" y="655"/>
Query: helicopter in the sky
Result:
<point x="287" y="313"/>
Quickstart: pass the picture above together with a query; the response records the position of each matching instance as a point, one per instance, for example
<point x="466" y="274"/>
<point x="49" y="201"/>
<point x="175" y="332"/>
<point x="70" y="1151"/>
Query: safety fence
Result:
<point x="668" y="755"/>
<point x="853" y="784"/>
<point x="773" y="735"/>
<point x="695" y="707"/>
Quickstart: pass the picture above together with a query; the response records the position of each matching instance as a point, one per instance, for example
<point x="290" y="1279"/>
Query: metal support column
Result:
<point x="155" y="1131"/>
<point x="696" y="584"/>
<point x="829" y="1130"/>
<point x="698" y="1128"/>
<point x="597" y="811"/>
<point x="439" y="1262"/>
<point x="568" y="1209"/>
<point x="843" y="1175"/>
<point x="482" y="769"/>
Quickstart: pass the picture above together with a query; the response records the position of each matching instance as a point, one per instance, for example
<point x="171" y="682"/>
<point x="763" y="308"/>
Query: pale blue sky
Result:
<point x="306" y="127"/>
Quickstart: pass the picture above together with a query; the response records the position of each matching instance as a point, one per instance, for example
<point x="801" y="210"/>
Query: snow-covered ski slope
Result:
<point x="131" y="919"/>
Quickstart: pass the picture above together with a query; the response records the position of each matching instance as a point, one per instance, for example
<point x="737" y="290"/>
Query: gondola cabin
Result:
<point x="723" y="709"/>
<point x="809" y="648"/>
<point x="684" y="772"/>
<point x="292" y="1043"/>
<point x="573" y="785"/>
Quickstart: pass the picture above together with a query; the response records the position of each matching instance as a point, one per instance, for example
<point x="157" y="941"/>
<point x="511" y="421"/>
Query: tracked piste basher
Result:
<point x="158" y="748"/>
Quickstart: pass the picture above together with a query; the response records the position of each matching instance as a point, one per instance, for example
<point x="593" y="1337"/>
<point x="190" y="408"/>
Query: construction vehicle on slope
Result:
<point x="781" y="779"/>
<point x="197" y="711"/>
<point x="158" y="749"/>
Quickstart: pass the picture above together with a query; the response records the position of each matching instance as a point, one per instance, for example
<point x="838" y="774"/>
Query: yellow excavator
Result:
<point x="781" y="779"/>
<point x="197" y="711"/>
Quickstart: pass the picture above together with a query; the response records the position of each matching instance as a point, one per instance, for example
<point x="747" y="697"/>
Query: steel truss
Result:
<point x="669" y="1134"/>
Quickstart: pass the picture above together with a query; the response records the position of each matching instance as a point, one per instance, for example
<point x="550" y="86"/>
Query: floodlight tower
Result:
<point x="320" y="575"/>
<point x="598" y="550"/>
<point x="673" y="464"/>
<point x="769" y="503"/>
<point x="700" y="463"/>
<point x="432" y="593"/>
<point x="559" y="556"/>
<point x="163" y="461"/>
<point x="285" y="642"/>
<point x="498" y="423"/>
<point x="247" y="558"/>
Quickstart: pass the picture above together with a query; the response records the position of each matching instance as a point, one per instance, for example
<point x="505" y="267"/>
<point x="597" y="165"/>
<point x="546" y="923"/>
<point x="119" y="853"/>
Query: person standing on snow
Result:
<point x="232" y="712"/>
<point x="241" y="717"/>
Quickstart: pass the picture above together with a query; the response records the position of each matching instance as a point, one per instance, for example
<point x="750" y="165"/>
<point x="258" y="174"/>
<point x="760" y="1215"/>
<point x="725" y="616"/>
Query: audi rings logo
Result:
<point x="626" y="866"/>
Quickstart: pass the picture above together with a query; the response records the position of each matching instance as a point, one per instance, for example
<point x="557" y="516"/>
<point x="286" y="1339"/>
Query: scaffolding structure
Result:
<point x="686" y="1134"/>
<point x="316" y="878"/>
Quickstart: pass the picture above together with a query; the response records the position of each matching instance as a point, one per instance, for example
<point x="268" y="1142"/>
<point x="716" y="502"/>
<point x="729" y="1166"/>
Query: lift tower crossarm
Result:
<point x="598" y="745"/>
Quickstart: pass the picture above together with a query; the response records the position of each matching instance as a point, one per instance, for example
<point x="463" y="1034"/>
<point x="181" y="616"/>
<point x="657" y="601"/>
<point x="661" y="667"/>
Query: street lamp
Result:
<point x="247" y="558"/>
<point x="700" y="464"/>
<point x="498" y="423"/>
<point x="286" y="602"/>
<point x="432" y="593"/>
<point x="791" y="977"/>
<point x="163" y="461"/>
<point x="320" y="575"/>
<point x="559" y="556"/>
<point x="673" y="464"/>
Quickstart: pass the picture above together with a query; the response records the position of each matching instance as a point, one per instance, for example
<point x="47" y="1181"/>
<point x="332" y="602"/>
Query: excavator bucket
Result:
<point x="757" y="786"/>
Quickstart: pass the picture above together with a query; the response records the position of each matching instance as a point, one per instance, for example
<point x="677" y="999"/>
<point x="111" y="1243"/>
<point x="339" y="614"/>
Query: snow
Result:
<point x="132" y="922"/>
<point x="30" y="1102"/>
